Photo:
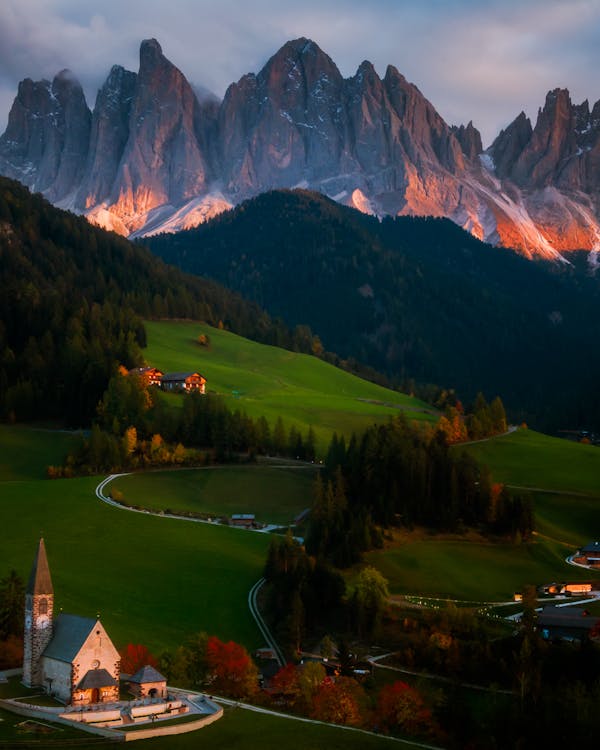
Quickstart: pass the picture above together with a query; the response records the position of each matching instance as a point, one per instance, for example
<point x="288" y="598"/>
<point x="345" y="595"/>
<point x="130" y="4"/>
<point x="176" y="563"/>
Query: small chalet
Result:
<point x="149" y="375"/>
<point x="588" y="555"/>
<point x="148" y="682"/>
<point x="245" y="520"/>
<point x="183" y="381"/>
<point x="566" y="623"/>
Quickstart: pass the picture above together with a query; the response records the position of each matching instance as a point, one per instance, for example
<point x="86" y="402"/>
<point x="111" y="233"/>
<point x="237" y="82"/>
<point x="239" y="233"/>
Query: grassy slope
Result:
<point x="25" y="452"/>
<point x="239" y="729"/>
<point x="531" y="459"/>
<point x="274" y="495"/>
<point x="472" y="571"/>
<point x="570" y="510"/>
<point x="439" y="567"/>
<point x="273" y="382"/>
<point x="153" y="580"/>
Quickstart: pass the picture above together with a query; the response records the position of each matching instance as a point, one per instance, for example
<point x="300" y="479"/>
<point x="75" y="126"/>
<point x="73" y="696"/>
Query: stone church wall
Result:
<point x="59" y="672"/>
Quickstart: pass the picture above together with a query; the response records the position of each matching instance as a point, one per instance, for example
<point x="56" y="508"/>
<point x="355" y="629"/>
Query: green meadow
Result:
<point x="267" y="381"/>
<point x="274" y="494"/>
<point x="473" y="571"/>
<point x="153" y="580"/>
<point x="26" y="451"/>
<point x="481" y="571"/>
<point x="526" y="458"/>
<point x="239" y="728"/>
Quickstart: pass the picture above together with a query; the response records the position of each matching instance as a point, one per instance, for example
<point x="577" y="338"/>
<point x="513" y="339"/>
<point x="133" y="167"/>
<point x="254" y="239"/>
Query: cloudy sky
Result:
<point x="480" y="60"/>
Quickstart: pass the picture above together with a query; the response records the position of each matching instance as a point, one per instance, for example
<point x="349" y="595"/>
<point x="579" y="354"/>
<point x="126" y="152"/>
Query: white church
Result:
<point x="69" y="656"/>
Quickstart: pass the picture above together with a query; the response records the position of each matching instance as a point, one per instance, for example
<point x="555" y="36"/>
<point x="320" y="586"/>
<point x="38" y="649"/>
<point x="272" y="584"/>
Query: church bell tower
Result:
<point x="39" y="607"/>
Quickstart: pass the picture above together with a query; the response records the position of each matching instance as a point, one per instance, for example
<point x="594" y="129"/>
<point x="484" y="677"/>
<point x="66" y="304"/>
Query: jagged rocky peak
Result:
<point x="47" y="135"/>
<point x="162" y="162"/>
<point x="509" y="144"/>
<point x="470" y="140"/>
<point x="300" y="75"/>
<point x="304" y="63"/>
<point x="284" y="125"/>
<point x="108" y="137"/>
<point x="552" y="142"/>
<point x="156" y="153"/>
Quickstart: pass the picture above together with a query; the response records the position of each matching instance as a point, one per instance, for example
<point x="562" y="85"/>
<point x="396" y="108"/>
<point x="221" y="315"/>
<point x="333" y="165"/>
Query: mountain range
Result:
<point x="157" y="155"/>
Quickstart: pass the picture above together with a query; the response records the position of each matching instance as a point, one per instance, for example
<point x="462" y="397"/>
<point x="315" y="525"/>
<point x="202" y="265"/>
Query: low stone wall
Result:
<point x="59" y="716"/>
<point x="155" y="708"/>
<point x="31" y="712"/>
<point x="157" y="731"/>
<point x="12" y="672"/>
<point x="91" y="717"/>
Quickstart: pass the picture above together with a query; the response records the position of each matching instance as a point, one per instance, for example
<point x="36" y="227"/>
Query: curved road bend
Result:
<point x="252" y="595"/>
<point x="262" y="626"/>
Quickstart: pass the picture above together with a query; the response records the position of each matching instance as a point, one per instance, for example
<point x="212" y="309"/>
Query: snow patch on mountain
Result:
<point x="193" y="213"/>
<point x="360" y="201"/>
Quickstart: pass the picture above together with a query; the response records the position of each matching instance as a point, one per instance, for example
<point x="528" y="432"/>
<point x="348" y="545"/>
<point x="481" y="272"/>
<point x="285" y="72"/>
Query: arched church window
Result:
<point x="43" y="607"/>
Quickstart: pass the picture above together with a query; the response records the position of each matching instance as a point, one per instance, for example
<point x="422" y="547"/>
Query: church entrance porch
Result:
<point x="97" y="686"/>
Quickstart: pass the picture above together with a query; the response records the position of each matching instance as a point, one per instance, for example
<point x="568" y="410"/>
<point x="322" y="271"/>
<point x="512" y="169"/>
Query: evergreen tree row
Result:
<point x="134" y="428"/>
<point x="400" y="475"/>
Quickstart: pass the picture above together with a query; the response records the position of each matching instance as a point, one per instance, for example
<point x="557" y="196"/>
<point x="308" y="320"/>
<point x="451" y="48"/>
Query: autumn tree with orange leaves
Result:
<point x="135" y="656"/>
<point x="285" y="685"/>
<point x="401" y="707"/>
<point x="232" y="670"/>
<point x="342" y="701"/>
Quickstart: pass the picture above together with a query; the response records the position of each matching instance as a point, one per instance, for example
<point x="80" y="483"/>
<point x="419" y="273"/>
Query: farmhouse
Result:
<point x="588" y="555"/>
<point x="71" y="657"/>
<point x="149" y="375"/>
<point x="245" y="520"/>
<point x="567" y="623"/>
<point x="183" y="381"/>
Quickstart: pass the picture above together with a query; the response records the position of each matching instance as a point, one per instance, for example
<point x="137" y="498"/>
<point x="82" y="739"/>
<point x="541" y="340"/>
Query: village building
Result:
<point x="70" y="657"/>
<point x="567" y="623"/>
<point x="244" y="520"/>
<point x="148" y="682"/>
<point x="588" y="555"/>
<point x="183" y="381"/>
<point x="149" y="375"/>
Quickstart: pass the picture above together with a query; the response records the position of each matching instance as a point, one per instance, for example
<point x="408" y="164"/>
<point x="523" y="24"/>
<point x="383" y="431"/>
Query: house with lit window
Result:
<point x="183" y="382"/>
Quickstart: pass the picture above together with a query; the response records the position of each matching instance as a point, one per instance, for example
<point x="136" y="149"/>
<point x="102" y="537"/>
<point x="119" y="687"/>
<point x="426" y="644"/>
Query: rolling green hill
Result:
<point x="154" y="580"/>
<point x="268" y="381"/>
<point x="566" y="516"/>
<point x="564" y="478"/>
<point x="531" y="459"/>
<point x="274" y="494"/>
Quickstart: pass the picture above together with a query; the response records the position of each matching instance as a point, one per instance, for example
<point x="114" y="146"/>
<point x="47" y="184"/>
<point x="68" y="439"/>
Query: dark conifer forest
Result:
<point x="419" y="300"/>
<point x="72" y="303"/>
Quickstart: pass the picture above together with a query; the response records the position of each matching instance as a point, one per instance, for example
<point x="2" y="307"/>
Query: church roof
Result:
<point x="70" y="633"/>
<point x="96" y="678"/>
<point x="147" y="674"/>
<point x="39" y="578"/>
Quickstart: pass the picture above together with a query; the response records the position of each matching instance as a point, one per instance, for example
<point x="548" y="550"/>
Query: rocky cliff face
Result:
<point x="47" y="138"/>
<point x="154" y="157"/>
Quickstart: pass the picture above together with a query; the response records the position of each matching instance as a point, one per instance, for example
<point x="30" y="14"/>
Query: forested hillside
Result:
<point x="73" y="298"/>
<point x="418" y="299"/>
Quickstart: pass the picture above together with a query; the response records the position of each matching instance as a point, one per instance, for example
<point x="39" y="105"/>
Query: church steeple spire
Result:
<point x="40" y="581"/>
<point x="39" y="607"/>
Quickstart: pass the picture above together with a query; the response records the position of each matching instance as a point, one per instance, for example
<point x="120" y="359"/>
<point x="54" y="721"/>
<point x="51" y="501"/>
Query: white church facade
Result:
<point x="69" y="656"/>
